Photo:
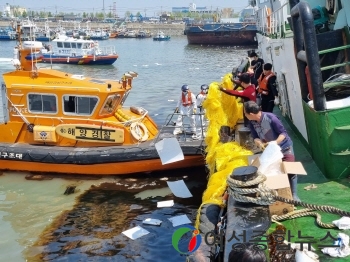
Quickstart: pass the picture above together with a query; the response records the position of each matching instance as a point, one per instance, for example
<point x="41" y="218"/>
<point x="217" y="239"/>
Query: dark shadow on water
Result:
<point x="92" y="230"/>
<point x="202" y="46"/>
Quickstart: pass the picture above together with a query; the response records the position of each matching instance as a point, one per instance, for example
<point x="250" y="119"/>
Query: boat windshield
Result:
<point x="110" y="104"/>
<point x="125" y="97"/>
<point x="71" y="45"/>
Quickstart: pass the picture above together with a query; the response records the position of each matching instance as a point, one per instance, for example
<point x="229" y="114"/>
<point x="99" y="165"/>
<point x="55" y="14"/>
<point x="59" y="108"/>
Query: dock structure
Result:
<point x="168" y="29"/>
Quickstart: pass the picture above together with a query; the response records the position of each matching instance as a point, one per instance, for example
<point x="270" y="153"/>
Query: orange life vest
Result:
<point x="263" y="88"/>
<point x="189" y="99"/>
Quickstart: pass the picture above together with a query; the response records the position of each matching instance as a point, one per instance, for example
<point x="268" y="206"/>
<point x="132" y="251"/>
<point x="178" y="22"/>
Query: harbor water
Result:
<point x="41" y="223"/>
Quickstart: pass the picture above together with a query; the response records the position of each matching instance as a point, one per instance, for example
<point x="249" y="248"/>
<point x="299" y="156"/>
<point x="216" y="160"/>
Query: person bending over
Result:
<point x="266" y="127"/>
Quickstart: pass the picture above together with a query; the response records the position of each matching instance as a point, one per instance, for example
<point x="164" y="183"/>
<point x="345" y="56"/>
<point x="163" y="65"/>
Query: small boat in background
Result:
<point x="29" y="30"/>
<point x="99" y="34"/>
<point x="45" y="35"/>
<point x="160" y="36"/>
<point x="130" y="34"/>
<point x="7" y="34"/>
<point x="113" y="34"/>
<point x="69" y="50"/>
<point x="144" y="34"/>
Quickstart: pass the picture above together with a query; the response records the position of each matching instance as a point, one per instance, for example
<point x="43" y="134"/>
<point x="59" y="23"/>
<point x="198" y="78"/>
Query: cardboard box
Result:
<point x="280" y="183"/>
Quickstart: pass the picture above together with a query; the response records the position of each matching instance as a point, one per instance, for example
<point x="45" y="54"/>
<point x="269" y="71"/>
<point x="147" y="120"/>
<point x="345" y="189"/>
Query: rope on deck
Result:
<point x="266" y="196"/>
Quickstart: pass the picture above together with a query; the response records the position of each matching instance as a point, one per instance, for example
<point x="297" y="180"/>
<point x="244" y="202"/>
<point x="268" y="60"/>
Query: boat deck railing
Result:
<point x="273" y="23"/>
<point x="3" y="101"/>
<point x="107" y="50"/>
<point x="186" y="134"/>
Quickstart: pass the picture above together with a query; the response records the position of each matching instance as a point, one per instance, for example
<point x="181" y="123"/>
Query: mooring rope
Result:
<point x="266" y="196"/>
<point x="302" y="213"/>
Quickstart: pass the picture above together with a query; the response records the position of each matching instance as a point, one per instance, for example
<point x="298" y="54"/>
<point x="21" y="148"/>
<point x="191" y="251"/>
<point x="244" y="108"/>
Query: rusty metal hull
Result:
<point x="222" y="34"/>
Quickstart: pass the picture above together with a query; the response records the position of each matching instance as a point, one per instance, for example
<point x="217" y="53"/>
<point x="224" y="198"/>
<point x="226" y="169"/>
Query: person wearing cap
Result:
<point x="266" y="127"/>
<point x="200" y="99"/>
<point x="237" y="82"/>
<point x="201" y="120"/>
<point x="256" y="64"/>
<point x="186" y="106"/>
<point x="267" y="89"/>
<point x="248" y="92"/>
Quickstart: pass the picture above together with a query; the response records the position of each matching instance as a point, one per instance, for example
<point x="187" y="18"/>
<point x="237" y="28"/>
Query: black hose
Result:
<point x="305" y="37"/>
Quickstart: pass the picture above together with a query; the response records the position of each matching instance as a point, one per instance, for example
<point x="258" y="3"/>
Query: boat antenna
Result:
<point x="18" y="30"/>
<point x="51" y="50"/>
<point x="32" y="38"/>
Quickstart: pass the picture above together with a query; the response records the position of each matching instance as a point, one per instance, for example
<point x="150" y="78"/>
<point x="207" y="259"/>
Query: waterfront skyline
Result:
<point x="148" y="8"/>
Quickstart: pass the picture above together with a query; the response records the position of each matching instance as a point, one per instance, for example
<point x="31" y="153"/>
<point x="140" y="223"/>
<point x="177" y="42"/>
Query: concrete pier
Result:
<point x="168" y="29"/>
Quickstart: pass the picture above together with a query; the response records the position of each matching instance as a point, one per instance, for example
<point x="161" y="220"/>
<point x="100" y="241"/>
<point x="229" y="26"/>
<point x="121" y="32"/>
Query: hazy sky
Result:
<point x="150" y="7"/>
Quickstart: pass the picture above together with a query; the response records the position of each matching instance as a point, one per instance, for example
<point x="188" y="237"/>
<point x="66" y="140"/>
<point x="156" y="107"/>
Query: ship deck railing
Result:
<point x="186" y="135"/>
<point x="107" y="50"/>
<point x="274" y="24"/>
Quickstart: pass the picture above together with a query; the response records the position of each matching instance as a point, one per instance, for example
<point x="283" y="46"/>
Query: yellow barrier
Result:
<point x="222" y="158"/>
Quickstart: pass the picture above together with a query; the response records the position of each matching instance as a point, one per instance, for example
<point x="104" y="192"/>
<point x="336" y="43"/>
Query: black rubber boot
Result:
<point x="293" y="181"/>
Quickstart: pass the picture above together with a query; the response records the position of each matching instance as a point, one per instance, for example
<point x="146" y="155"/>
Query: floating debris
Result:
<point x="313" y="186"/>
<point x="69" y="190"/>
<point x="38" y="177"/>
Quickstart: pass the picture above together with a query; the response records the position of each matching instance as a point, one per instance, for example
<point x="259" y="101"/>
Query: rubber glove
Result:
<point x="194" y="110"/>
<point x="277" y="100"/>
<point x="262" y="146"/>
<point x="176" y="110"/>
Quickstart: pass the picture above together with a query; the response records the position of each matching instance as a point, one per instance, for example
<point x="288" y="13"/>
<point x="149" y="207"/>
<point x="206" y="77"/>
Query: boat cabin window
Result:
<point x="125" y="97"/>
<point x="86" y="45"/>
<point x="79" y="45"/>
<point x="40" y="103"/>
<point x="110" y="104"/>
<point x="79" y="105"/>
<point x="74" y="45"/>
<point x="59" y="44"/>
<point x="66" y="44"/>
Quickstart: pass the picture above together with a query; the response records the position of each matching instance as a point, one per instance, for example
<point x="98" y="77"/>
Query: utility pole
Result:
<point x="114" y="10"/>
<point x="145" y="12"/>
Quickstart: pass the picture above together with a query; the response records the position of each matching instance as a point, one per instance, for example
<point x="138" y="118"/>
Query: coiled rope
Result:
<point x="266" y="196"/>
